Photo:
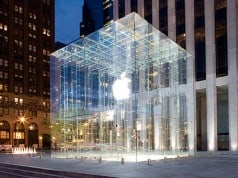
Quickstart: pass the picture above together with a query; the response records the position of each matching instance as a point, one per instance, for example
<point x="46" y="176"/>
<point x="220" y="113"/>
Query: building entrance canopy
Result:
<point x="126" y="89"/>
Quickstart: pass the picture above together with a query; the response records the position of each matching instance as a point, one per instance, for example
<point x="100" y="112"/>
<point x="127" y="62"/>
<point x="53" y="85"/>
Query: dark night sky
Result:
<point x="68" y="15"/>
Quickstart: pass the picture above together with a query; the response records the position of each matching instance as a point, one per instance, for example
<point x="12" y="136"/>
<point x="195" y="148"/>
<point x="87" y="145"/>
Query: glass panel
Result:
<point x="121" y="92"/>
<point x="222" y="118"/>
<point x="221" y="37"/>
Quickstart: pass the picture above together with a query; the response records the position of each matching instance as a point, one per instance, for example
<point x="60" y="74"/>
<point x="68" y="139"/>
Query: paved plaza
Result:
<point x="205" y="165"/>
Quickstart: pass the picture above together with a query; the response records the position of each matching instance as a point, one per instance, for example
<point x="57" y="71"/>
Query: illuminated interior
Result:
<point x="124" y="91"/>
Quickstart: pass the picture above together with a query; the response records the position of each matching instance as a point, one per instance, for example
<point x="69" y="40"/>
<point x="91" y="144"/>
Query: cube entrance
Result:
<point x="124" y="91"/>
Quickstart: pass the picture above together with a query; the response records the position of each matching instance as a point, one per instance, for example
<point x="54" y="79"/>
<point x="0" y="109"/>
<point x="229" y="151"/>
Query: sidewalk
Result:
<point x="212" y="166"/>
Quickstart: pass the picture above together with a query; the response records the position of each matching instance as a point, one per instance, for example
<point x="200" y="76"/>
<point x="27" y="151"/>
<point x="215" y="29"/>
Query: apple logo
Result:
<point x="120" y="87"/>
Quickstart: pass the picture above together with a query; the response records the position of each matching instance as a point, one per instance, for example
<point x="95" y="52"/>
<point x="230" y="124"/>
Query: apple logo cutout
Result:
<point x="120" y="87"/>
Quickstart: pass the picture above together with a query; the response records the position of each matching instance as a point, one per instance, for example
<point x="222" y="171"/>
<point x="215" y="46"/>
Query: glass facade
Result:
<point x="122" y="92"/>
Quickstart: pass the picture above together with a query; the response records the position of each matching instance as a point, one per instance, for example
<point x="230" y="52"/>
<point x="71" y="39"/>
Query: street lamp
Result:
<point x="22" y="119"/>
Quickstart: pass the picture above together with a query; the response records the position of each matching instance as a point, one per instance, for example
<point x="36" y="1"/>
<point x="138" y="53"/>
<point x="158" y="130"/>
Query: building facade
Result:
<point x="27" y="39"/>
<point x="208" y="29"/>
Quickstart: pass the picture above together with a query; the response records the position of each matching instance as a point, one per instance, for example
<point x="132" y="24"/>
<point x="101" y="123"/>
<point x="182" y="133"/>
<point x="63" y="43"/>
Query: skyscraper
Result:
<point x="96" y="14"/>
<point x="27" y="39"/>
<point x="208" y="29"/>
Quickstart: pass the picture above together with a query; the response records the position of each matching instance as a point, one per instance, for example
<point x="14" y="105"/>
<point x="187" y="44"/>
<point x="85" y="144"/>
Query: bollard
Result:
<point x="122" y="161"/>
<point x="40" y="155"/>
<point x="149" y="162"/>
<point x="164" y="159"/>
<point x="197" y="155"/>
<point x="100" y="159"/>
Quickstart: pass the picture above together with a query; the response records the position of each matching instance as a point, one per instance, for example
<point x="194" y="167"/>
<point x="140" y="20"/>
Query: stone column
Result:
<point x="155" y="13"/>
<point x="232" y="42"/>
<point x="191" y="104"/>
<point x="115" y="10"/>
<point x="171" y="20"/>
<point x="172" y="35"/>
<point x="127" y="7"/>
<point x="141" y="7"/>
<point x="211" y="76"/>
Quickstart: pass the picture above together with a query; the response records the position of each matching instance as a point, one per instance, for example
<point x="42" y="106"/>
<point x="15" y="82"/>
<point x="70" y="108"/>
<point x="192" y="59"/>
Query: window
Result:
<point x="46" y="32"/>
<point x="32" y="26"/>
<point x="18" y="21"/>
<point x="32" y="58"/>
<point x="32" y="48"/>
<point x="3" y="27"/>
<point x="3" y="87"/>
<point x="4" y="38"/>
<point x="18" y="89"/>
<point x="18" y="9"/>
<point x="44" y="52"/>
<point x="32" y="15"/>
<point x="5" y="75"/>
<point x="21" y="101"/>
<point x="6" y="111"/>
<point x="32" y="36"/>
<point x="16" y="65"/>
<point x="3" y="98"/>
<point x="18" y="43"/>
<point x="5" y="63"/>
<point x="16" y="100"/>
<point x="20" y="66"/>
<point x="19" y="112"/>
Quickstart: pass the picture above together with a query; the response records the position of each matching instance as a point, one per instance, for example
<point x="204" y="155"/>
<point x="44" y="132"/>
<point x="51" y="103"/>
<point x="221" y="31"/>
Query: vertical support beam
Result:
<point x="211" y="75"/>
<point x="191" y="104"/>
<point x="127" y="7"/>
<point x="115" y="10"/>
<point x="172" y="35"/>
<point x="171" y="20"/>
<point x="155" y="13"/>
<point x="141" y="7"/>
<point x="232" y="42"/>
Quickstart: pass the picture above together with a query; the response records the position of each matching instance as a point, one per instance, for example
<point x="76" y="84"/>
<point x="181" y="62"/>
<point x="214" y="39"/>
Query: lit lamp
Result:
<point x="22" y="119"/>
